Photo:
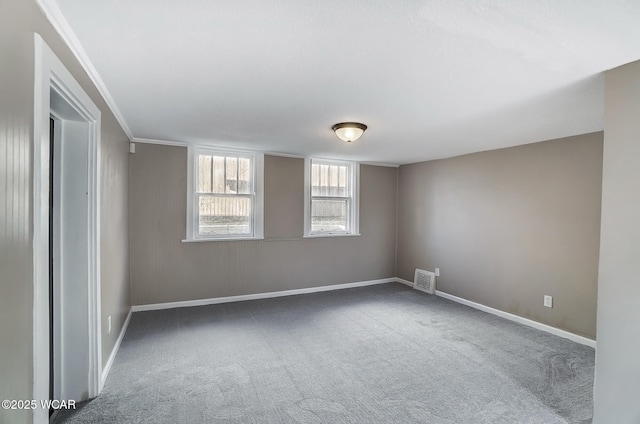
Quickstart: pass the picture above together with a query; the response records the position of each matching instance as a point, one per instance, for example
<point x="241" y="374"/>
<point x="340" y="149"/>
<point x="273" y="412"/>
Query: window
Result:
<point x="225" y="195"/>
<point x="331" y="198"/>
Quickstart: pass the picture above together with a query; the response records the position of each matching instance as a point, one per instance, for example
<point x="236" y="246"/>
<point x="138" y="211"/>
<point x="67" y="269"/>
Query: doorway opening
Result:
<point x="67" y="347"/>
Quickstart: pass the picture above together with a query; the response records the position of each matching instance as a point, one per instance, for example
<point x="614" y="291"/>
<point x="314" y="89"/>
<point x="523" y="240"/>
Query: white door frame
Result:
<point x="51" y="74"/>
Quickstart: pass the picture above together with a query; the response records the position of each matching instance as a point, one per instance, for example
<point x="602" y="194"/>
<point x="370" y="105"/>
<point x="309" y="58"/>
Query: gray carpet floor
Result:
<point x="378" y="354"/>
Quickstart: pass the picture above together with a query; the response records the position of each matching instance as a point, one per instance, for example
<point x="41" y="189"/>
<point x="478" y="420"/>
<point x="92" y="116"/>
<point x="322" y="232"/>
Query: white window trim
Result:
<point x="354" y="212"/>
<point x="258" y="188"/>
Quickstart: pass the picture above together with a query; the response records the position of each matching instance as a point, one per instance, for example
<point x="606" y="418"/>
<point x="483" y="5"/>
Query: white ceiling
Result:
<point x="431" y="78"/>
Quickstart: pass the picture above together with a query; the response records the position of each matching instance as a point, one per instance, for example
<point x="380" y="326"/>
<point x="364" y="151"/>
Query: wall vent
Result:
<point x="424" y="281"/>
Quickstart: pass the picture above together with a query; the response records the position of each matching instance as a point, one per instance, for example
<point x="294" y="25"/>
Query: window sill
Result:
<point x="331" y="235"/>
<point x="204" y="240"/>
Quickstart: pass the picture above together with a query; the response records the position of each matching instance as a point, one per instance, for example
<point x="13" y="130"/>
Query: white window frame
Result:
<point x="257" y="197"/>
<point x="354" y="190"/>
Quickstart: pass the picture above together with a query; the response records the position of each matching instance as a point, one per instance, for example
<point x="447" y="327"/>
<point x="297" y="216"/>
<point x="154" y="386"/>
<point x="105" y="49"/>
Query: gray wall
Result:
<point x="617" y="388"/>
<point x="18" y="20"/>
<point x="16" y="287"/>
<point x="508" y="226"/>
<point x="164" y="269"/>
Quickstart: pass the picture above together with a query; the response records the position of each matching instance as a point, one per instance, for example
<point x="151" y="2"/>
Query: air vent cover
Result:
<point x="424" y="281"/>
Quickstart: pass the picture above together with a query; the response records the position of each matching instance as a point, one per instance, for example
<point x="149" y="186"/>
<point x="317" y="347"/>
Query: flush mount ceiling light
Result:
<point x="349" y="131"/>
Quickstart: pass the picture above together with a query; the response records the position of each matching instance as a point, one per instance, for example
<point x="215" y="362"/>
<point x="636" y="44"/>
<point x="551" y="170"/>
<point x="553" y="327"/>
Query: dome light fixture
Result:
<point x="349" y="131"/>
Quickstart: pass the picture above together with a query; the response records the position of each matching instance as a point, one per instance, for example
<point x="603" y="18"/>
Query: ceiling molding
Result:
<point x="387" y="165"/>
<point x="53" y="13"/>
<point x="161" y="142"/>
<point x="285" y="155"/>
<point x="288" y="155"/>
<point x="209" y="145"/>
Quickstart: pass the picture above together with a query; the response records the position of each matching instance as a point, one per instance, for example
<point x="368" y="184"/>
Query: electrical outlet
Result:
<point x="109" y="321"/>
<point x="437" y="272"/>
<point x="548" y="301"/>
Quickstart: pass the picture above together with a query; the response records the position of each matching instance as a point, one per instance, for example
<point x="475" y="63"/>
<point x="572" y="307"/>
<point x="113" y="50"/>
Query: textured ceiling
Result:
<point x="431" y="78"/>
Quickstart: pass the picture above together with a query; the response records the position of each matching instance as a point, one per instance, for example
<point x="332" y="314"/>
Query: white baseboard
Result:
<point x="228" y="299"/>
<point x="217" y="300"/>
<point x="506" y="315"/>
<point x="112" y="357"/>
<point x="403" y="281"/>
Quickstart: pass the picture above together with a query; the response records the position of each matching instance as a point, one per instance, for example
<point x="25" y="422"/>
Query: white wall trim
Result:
<point x="266" y="152"/>
<point x="306" y="230"/>
<point x="51" y="74"/>
<point x="268" y="295"/>
<point x="285" y="155"/>
<point x="531" y="323"/>
<point x="114" y="352"/>
<point x="383" y="164"/>
<point x="511" y="317"/>
<point x="161" y="142"/>
<point x="403" y="281"/>
<point x="53" y="13"/>
<point x="290" y="155"/>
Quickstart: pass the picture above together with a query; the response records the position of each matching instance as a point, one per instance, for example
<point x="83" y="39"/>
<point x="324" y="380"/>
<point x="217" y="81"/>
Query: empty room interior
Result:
<point x="424" y="211"/>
